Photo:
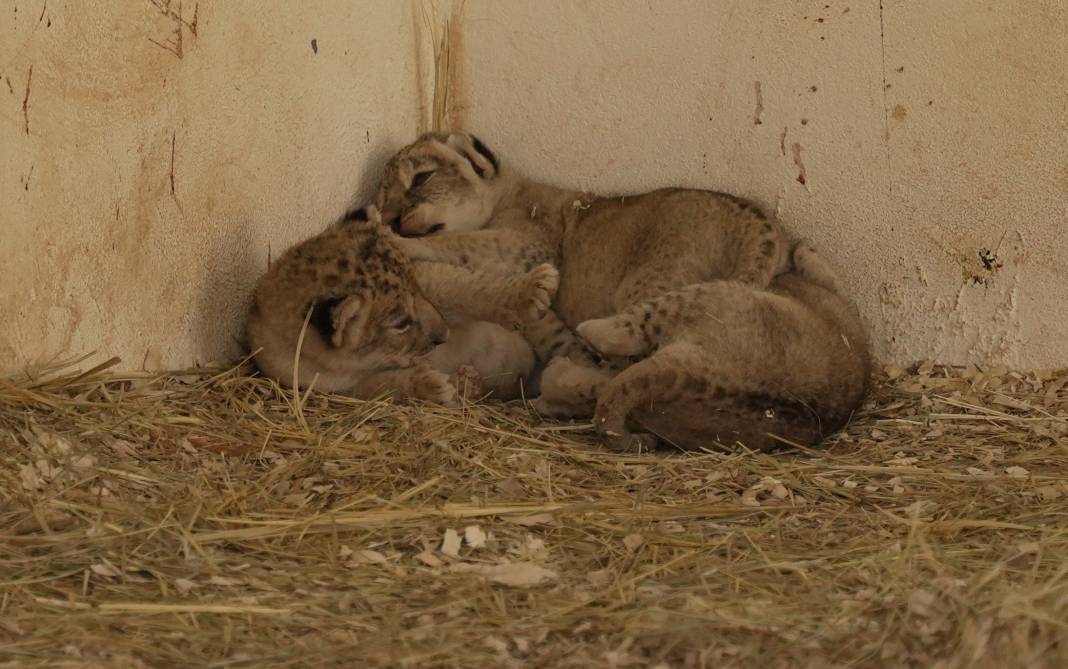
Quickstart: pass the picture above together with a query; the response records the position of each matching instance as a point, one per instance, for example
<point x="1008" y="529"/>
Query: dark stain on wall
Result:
<point x="26" y="101"/>
<point x="759" y="104"/>
<point x="802" y="175"/>
<point x="25" y="181"/>
<point x="173" y="26"/>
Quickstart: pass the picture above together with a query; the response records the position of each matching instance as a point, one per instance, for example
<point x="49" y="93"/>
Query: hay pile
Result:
<point x="205" y="518"/>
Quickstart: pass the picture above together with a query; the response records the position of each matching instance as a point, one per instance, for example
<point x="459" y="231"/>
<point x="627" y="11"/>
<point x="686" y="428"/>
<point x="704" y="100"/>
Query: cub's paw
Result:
<point x="612" y="427"/>
<point x="559" y="410"/>
<point x="468" y="382"/>
<point x="570" y="388"/>
<point x="808" y="263"/>
<point x="433" y="386"/>
<point x="611" y="336"/>
<point x="539" y="289"/>
<point x="625" y="441"/>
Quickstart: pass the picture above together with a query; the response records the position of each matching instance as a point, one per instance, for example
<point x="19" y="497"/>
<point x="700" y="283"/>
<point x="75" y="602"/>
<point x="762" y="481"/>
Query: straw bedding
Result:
<point x="207" y="518"/>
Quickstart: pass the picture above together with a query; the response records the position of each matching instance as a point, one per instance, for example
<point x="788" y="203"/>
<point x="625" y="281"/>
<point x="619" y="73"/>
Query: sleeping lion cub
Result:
<point x="612" y="252"/>
<point x="724" y="362"/>
<point x="370" y="318"/>
<point x="644" y="275"/>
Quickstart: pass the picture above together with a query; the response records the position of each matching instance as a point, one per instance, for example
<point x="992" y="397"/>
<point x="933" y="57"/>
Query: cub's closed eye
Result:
<point x="421" y="178"/>
<point x="401" y="325"/>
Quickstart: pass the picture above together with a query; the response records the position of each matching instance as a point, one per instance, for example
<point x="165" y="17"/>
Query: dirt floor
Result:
<point x="206" y="518"/>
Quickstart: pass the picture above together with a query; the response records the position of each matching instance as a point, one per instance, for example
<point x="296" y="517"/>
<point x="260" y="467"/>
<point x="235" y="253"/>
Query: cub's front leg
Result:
<point x="510" y="300"/>
<point x="500" y="250"/>
<point x="418" y="382"/>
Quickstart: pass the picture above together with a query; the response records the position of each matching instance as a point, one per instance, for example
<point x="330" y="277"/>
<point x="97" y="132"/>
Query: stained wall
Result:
<point x="154" y="153"/>
<point x="921" y="145"/>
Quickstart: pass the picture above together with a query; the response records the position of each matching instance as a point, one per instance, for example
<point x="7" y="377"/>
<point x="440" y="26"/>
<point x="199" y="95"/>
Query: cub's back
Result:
<point x="686" y="234"/>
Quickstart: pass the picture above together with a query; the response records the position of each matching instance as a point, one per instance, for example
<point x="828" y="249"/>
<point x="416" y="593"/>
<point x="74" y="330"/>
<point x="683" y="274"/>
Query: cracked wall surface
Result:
<point x="921" y="145"/>
<point x="154" y="152"/>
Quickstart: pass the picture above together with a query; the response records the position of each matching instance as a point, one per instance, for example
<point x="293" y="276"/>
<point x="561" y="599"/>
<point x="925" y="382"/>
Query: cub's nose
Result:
<point x="439" y="336"/>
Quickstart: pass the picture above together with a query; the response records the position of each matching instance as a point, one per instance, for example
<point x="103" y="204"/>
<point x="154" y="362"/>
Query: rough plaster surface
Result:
<point x="143" y="179"/>
<point x="151" y="152"/>
<point x="906" y="139"/>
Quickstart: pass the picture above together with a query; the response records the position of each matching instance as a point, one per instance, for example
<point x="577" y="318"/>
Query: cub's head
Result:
<point x="440" y="183"/>
<point x="368" y="302"/>
<point x="367" y="312"/>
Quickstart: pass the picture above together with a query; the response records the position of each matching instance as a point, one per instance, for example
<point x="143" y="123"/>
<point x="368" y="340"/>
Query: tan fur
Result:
<point x="376" y="317"/>
<point x="727" y="363"/>
<point x="612" y="251"/>
<point x="502" y="360"/>
<point x="618" y="253"/>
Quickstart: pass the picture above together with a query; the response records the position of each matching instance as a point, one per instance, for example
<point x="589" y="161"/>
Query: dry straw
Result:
<point x="207" y="518"/>
<point x="443" y="39"/>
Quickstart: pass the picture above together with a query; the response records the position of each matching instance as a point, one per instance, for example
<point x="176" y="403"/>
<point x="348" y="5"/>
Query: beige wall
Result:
<point x="142" y="183"/>
<point x="926" y="132"/>
<point x="143" y="180"/>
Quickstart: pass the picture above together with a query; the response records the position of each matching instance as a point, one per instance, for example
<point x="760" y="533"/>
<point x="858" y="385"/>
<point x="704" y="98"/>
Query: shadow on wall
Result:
<point x="225" y="294"/>
<point x="370" y="173"/>
<point x="242" y="255"/>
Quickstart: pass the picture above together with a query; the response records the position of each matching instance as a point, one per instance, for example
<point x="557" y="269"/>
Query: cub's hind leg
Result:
<point x="639" y="329"/>
<point x="569" y="389"/>
<point x="655" y="380"/>
<point x="762" y="253"/>
<point x="643" y="327"/>
<point x="680" y="397"/>
<point x="617" y="335"/>
<point x="811" y="265"/>
<point x="726" y="416"/>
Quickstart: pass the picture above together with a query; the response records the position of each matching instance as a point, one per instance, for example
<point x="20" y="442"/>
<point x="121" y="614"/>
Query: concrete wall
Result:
<point x="921" y="145"/>
<point x="152" y="151"/>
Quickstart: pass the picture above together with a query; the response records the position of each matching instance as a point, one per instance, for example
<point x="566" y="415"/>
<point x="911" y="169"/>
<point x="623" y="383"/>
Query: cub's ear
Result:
<point x="342" y="321"/>
<point x="355" y="215"/>
<point x="368" y="213"/>
<point x="483" y="161"/>
<point x="373" y="214"/>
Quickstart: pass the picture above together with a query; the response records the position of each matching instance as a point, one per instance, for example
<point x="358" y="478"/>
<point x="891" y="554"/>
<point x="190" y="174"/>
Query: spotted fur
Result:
<point x="725" y="363"/>
<point x="375" y="318"/>
<point x="613" y="253"/>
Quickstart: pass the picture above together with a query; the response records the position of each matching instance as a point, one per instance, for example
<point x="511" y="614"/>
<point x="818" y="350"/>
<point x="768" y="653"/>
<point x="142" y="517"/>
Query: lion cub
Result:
<point x="612" y="252"/>
<point x="370" y="317"/>
<point x="684" y="263"/>
<point x="724" y="362"/>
